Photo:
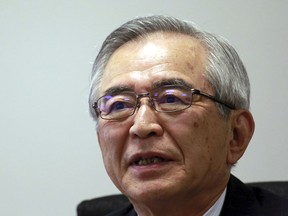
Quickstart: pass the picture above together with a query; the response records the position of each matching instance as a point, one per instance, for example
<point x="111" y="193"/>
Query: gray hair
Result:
<point x="224" y="70"/>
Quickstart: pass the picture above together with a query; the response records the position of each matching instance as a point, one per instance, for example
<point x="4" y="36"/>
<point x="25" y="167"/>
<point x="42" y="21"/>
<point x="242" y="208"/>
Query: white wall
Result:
<point x="49" y="157"/>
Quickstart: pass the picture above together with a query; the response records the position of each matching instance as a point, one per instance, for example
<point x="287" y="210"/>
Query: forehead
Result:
<point x="157" y="57"/>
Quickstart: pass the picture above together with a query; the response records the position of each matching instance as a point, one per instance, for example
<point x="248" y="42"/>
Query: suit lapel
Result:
<point x="239" y="200"/>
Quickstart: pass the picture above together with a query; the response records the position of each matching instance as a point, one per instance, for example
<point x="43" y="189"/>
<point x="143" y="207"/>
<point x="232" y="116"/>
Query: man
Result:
<point x="171" y="105"/>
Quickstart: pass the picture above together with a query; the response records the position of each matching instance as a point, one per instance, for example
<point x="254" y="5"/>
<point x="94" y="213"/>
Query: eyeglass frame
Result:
<point x="148" y="94"/>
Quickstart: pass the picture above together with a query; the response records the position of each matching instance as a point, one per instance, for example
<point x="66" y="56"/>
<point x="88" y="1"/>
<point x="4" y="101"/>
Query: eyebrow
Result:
<point x="123" y="88"/>
<point x="118" y="89"/>
<point x="175" y="81"/>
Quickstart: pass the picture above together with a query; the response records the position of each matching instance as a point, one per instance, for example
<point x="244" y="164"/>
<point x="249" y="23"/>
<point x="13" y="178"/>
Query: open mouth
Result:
<point x="148" y="161"/>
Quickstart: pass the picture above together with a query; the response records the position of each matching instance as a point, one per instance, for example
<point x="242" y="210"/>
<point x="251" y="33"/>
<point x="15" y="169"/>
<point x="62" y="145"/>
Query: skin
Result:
<point x="198" y="144"/>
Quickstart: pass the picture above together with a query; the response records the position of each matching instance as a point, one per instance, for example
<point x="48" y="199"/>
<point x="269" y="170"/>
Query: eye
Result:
<point x="169" y="99"/>
<point x="119" y="103"/>
<point x="170" y="96"/>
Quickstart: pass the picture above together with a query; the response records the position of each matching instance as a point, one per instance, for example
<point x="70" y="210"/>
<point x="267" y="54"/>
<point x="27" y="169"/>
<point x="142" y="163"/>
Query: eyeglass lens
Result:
<point x="164" y="99"/>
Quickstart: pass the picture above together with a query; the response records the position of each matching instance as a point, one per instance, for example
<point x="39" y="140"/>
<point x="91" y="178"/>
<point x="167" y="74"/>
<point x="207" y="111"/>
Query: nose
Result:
<point x="145" y="122"/>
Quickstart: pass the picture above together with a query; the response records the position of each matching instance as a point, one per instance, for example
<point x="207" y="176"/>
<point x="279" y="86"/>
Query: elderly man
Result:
<point x="171" y="104"/>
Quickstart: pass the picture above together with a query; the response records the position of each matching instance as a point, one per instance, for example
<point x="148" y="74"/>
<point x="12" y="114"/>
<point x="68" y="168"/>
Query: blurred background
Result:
<point x="49" y="157"/>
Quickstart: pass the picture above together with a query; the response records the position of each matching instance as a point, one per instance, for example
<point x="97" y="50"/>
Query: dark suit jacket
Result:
<point x="240" y="200"/>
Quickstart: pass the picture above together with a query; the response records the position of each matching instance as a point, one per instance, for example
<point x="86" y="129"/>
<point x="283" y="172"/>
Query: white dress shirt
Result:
<point x="216" y="208"/>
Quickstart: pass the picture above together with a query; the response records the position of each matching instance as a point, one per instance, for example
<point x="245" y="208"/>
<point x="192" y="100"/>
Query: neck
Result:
<point x="186" y="205"/>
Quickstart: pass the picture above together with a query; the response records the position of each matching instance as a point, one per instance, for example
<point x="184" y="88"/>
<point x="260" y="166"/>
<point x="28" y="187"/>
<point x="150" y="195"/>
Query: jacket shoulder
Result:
<point x="125" y="211"/>
<point x="249" y="200"/>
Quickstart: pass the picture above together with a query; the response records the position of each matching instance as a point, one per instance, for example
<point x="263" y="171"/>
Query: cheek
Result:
<point x="104" y="143"/>
<point x="112" y="141"/>
<point x="106" y="139"/>
<point x="187" y="133"/>
<point x="103" y="137"/>
<point x="110" y="135"/>
<point x="109" y="151"/>
<point x="196" y="138"/>
<point x="214" y="142"/>
<point x="195" y="129"/>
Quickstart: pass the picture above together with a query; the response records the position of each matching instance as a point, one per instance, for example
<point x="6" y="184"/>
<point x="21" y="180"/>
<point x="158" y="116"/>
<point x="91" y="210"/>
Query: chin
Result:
<point x="150" y="191"/>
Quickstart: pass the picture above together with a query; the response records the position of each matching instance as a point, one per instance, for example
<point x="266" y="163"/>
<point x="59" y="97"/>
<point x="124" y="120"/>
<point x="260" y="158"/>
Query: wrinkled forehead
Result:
<point x="157" y="53"/>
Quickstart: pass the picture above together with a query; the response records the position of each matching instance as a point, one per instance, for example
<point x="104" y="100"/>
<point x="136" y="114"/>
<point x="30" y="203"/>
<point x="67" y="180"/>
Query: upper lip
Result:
<point x="136" y="157"/>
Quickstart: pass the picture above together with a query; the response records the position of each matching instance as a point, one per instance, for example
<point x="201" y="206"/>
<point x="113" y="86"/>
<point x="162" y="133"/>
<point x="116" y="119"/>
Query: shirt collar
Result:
<point x="216" y="208"/>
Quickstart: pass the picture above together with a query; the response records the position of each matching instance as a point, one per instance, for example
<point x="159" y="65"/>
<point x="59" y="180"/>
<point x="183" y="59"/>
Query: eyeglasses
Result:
<point x="165" y="99"/>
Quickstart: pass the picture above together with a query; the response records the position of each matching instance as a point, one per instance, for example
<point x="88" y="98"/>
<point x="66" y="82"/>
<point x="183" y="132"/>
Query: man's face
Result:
<point x="192" y="144"/>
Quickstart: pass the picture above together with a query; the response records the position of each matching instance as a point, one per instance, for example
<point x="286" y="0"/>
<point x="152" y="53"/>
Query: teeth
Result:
<point x="145" y="161"/>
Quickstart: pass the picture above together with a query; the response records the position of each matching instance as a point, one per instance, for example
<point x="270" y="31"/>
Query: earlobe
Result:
<point x="242" y="129"/>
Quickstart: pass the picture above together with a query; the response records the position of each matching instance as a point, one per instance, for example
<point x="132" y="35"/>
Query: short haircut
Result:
<point x="224" y="69"/>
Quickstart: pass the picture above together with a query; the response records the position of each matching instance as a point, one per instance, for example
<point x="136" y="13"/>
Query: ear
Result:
<point x="242" y="129"/>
